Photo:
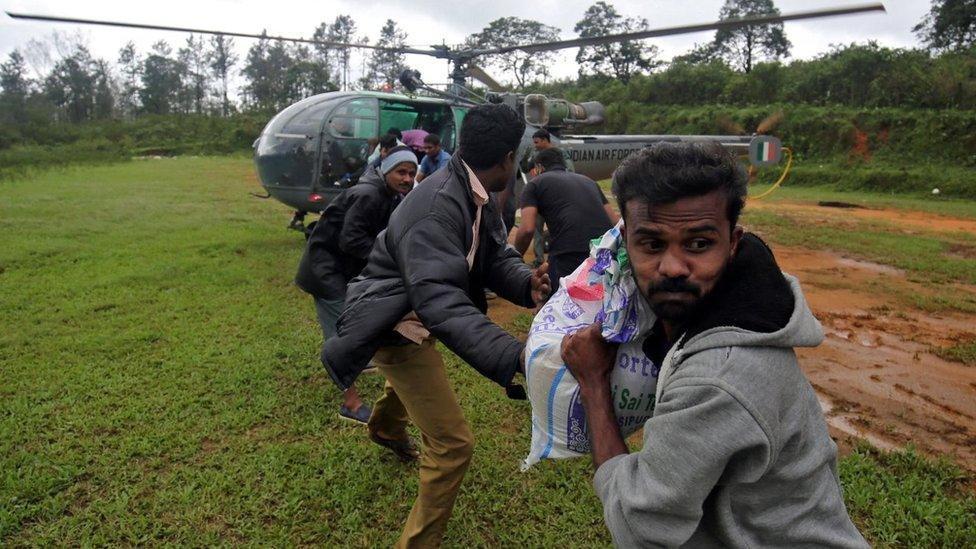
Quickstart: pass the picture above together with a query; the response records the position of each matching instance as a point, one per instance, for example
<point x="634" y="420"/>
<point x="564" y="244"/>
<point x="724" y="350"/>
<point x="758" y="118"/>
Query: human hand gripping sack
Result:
<point x="540" y="284"/>
<point x="589" y="357"/>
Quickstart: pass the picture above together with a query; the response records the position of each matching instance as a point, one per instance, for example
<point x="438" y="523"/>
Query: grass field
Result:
<point x="160" y="384"/>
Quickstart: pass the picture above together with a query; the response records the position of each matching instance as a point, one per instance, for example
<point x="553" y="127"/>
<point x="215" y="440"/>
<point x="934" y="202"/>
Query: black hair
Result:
<point x="666" y="172"/>
<point x="489" y="133"/>
<point x="396" y="132"/>
<point x="542" y="134"/>
<point x="388" y="141"/>
<point x="549" y="159"/>
<point x="432" y="139"/>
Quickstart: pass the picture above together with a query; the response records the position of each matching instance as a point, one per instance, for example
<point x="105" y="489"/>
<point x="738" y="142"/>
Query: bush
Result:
<point x="37" y="146"/>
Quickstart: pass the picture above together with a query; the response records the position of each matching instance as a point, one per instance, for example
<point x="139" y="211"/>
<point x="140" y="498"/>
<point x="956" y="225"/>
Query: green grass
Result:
<point x="880" y="177"/>
<point x="901" y="499"/>
<point x="921" y="201"/>
<point x="961" y="352"/>
<point x="926" y="256"/>
<point x="160" y="384"/>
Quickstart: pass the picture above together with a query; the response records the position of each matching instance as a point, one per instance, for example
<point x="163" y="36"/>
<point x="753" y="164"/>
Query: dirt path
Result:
<point x="904" y="218"/>
<point x="877" y="373"/>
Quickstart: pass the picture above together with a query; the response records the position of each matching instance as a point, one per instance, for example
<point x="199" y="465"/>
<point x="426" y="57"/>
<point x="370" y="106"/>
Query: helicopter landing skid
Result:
<point x="297" y="222"/>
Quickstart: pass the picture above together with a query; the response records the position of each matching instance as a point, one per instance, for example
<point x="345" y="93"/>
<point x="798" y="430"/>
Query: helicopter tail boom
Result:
<point x="596" y="156"/>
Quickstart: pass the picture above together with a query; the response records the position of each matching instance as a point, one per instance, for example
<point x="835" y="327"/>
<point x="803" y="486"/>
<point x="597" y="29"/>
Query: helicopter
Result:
<point x="313" y="149"/>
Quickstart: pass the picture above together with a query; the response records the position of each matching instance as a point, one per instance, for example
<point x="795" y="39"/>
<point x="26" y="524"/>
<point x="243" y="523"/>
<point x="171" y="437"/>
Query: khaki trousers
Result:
<point x="417" y="389"/>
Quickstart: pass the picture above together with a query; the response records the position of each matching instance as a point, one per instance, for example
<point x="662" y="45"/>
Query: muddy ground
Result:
<point x="877" y="373"/>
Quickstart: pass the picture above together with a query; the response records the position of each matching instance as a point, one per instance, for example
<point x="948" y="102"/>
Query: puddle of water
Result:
<point x="870" y="266"/>
<point x="844" y="425"/>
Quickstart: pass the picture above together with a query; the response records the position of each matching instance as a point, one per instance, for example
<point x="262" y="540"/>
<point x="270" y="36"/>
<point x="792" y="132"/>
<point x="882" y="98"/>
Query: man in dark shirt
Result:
<point x="575" y="209"/>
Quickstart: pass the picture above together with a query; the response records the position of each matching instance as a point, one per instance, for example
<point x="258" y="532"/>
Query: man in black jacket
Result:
<point x="425" y="279"/>
<point x="338" y="246"/>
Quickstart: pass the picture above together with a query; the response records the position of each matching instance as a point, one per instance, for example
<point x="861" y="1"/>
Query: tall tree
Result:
<point x="130" y="71"/>
<point x="106" y="90"/>
<point x="71" y="86"/>
<point x="743" y="46"/>
<point x="385" y="66"/>
<point x="306" y="75"/>
<point x="326" y="54"/>
<point x="195" y="77"/>
<point x="14" y="89"/>
<point x="161" y="80"/>
<point x="266" y="69"/>
<point x="221" y="59"/>
<point x="699" y="53"/>
<point x="949" y="25"/>
<point x="512" y="31"/>
<point x="620" y="60"/>
<point x="343" y="30"/>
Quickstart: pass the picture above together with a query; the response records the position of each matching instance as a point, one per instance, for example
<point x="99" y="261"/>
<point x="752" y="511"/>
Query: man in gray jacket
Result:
<point x="737" y="451"/>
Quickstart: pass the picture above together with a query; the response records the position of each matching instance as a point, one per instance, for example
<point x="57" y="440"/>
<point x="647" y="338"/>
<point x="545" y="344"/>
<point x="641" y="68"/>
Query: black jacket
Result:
<point x="419" y="264"/>
<point x="337" y="249"/>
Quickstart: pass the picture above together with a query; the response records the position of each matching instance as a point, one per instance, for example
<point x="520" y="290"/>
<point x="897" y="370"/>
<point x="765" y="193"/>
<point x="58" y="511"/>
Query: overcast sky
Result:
<point x="434" y="22"/>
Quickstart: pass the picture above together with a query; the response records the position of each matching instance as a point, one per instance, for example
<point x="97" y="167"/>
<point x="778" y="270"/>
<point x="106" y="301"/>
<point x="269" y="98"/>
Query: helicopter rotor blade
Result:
<point x="52" y="19"/>
<point x="684" y="29"/>
<point x="479" y="74"/>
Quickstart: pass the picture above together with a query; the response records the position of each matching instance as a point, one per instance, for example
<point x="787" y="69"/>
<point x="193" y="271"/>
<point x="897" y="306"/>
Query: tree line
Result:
<point x="194" y="78"/>
<point x="740" y="66"/>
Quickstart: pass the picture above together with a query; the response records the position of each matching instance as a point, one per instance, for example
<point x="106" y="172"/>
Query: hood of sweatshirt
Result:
<point x="753" y="304"/>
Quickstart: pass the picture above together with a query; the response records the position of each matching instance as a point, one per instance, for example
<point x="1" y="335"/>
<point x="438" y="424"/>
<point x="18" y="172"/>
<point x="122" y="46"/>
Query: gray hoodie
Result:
<point x="737" y="452"/>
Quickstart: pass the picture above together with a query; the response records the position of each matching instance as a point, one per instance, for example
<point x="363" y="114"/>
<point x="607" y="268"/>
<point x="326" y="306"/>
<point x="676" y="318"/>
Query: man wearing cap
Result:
<point x="338" y="246"/>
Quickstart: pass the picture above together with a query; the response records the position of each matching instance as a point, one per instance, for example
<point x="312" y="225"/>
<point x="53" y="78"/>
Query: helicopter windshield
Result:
<point x="354" y="119"/>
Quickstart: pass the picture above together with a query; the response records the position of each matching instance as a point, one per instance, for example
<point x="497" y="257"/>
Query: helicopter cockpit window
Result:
<point x="364" y="107"/>
<point x="355" y="119"/>
<point x="354" y="128"/>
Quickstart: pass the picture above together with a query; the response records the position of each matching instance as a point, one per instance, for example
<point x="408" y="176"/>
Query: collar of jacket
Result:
<point x="374" y="177"/>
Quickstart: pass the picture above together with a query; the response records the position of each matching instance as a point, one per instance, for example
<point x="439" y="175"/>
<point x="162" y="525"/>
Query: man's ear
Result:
<point x="736" y="236"/>
<point x="507" y="162"/>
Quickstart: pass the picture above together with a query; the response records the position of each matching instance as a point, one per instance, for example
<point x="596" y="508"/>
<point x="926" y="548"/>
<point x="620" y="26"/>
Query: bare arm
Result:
<point x="526" y="228"/>
<point x="590" y="360"/>
<point x="421" y="176"/>
<point x="614" y="216"/>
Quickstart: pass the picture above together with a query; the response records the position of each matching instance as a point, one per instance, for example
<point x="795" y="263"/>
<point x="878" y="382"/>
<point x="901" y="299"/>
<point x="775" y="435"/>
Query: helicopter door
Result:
<point x="459" y="113"/>
<point x="404" y="114"/>
<point x="344" y="144"/>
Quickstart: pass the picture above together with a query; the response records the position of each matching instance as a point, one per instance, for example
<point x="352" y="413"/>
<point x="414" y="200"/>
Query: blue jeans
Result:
<point x="328" y="311"/>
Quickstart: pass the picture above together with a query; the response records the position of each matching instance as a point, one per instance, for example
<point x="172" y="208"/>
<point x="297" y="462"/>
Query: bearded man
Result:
<point x="736" y="453"/>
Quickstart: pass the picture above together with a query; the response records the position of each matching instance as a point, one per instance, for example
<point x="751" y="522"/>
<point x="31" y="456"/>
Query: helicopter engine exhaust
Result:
<point x="559" y="113"/>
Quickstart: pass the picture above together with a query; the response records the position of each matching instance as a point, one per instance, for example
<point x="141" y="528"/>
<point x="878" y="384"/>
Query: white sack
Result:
<point x="601" y="288"/>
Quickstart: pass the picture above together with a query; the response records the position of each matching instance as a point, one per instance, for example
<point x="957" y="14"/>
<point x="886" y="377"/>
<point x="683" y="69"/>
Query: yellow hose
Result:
<point x="786" y="170"/>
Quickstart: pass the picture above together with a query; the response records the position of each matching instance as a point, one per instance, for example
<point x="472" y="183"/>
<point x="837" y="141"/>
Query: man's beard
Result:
<point x="676" y="312"/>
